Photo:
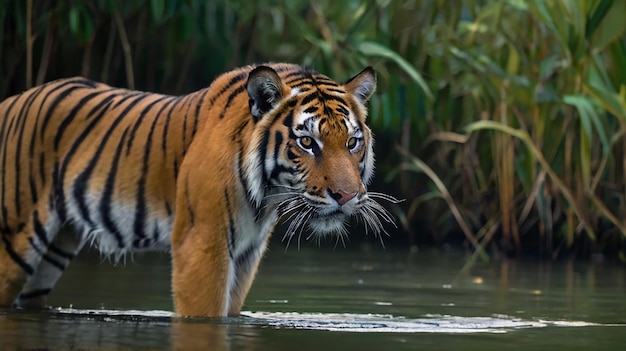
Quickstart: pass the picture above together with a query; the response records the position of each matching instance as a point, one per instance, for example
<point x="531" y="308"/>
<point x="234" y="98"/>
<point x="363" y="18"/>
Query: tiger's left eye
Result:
<point x="352" y="143"/>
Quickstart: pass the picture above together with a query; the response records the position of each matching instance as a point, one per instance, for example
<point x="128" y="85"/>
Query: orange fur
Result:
<point x="216" y="169"/>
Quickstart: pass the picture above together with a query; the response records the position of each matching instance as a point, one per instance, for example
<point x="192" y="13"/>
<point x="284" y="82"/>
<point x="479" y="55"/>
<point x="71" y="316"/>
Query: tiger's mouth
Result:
<point x="320" y="221"/>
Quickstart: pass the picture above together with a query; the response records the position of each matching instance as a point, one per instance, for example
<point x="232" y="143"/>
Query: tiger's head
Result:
<point x="313" y="153"/>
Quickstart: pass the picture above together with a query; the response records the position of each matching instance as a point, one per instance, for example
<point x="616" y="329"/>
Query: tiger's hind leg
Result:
<point x="59" y="255"/>
<point x="22" y="251"/>
<point x="16" y="265"/>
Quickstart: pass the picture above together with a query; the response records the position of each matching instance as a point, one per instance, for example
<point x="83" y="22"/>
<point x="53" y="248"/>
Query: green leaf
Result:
<point x="74" y="19"/>
<point x="595" y="17"/>
<point x="370" y="48"/>
<point x="589" y="116"/>
<point x="158" y="9"/>
<point x="610" y="101"/>
<point x="611" y="27"/>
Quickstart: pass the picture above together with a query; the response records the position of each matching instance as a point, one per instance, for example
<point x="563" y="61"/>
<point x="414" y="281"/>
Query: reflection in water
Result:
<point x="108" y="329"/>
<point x="102" y="329"/>
<point x="309" y="292"/>
<point x="199" y="335"/>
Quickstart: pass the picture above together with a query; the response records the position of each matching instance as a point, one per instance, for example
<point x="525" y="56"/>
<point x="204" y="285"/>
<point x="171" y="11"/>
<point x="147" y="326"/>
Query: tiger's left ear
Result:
<point x="264" y="89"/>
<point x="363" y="85"/>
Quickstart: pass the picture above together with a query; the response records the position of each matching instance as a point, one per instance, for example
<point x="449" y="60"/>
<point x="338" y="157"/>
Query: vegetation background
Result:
<point x="502" y="123"/>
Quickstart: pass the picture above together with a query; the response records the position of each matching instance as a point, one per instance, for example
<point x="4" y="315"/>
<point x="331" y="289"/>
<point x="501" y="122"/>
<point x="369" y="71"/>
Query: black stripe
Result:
<point x="237" y="133"/>
<point x="330" y="97"/>
<point x="72" y="115"/>
<point x="310" y="97"/>
<point x="126" y="95"/>
<point x="23" y="114"/>
<point x="230" y="99"/>
<point x="80" y="184"/>
<point x="185" y="116"/>
<point x="155" y="233"/>
<point x="141" y="205"/>
<point x="40" y="231"/>
<point x="232" y="240"/>
<point x="7" y="116"/>
<point x="176" y="165"/>
<point x="60" y="266"/>
<point x="167" y="124"/>
<point x="84" y="81"/>
<point x="323" y="80"/>
<point x="262" y="152"/>
<point x="42" y="167"/>
<point x="282" y="67"/>
<point x="168" y="209"/>
<point x="16" y="258"/>
<point x="310" y="109"/>
<point x="83" y="177"/>
<point x="342" y="110"/>
<point x="39" y="114"/>
<point x="236" y="79"/>
<point x="335" y="90"/>
<point x="60" y="252"/>
<point x="242" y="176"/>
<point x="107" y="193"/>
<point x="33" y="189"/>
<point x="244" y="257"/>
<point x="288" y="121"/>
<point x="23" y="120"/>
<point x="278" y="140"/>
<point x="53" y="105"/>
<point x="196" y="115"/>
<point x="32" y="243"/>
<point x="296" y="75"/>
<point x="192" y="215"/>
<point x="34" y="294"/>
<point x="305" y="82"/>
<point x="320" y="125"/>
<point x="140" y="118"/>
<point x="5" y="140"/>
<point x="57" y="195"/>
<point x="286" y="108"/>
<point x="278" y="169"/>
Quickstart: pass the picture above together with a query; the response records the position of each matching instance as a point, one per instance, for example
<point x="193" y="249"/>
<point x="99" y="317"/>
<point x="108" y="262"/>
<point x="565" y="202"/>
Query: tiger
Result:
<point x="204" y="176"/>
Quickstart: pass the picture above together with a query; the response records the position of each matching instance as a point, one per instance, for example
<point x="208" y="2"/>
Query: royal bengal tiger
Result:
<point x="206" y="175"/>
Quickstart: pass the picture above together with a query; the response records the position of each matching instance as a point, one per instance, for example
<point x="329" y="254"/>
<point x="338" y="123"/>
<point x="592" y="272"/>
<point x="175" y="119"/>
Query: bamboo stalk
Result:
<point x="29" y="44"/>
<point x="45" y="54"/>
<point x="128" y="60"/>
<point x="108" y="54"/>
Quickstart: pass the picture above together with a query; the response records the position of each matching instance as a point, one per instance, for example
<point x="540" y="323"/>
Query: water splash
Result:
<point x="350" y="322"/>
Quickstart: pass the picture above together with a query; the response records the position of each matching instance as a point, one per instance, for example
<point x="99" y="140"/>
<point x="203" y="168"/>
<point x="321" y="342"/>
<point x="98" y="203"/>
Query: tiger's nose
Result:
<point x="341" y="196"/>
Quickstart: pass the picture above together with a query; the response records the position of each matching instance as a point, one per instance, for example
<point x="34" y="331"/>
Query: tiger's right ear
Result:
<point x="264" y="89"/>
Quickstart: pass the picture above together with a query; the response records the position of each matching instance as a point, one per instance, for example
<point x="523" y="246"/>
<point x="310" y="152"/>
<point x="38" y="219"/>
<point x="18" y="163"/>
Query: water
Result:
<point x="342" y="299"/>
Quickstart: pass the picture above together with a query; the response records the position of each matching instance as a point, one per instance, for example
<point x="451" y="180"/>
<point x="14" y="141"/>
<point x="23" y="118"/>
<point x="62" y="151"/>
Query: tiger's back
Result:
<point x="80" y="151"/>
<point x="207" y="174"/>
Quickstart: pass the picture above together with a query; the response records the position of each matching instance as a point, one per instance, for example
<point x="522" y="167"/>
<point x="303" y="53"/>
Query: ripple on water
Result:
<point x="350" y="322"/>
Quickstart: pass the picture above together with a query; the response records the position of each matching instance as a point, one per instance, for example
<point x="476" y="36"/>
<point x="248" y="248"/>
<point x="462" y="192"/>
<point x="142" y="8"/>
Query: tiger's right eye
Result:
<point x="306" y="142"/>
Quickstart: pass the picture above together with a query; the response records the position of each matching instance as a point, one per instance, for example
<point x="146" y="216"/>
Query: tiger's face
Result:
<point x="319" y="151"/>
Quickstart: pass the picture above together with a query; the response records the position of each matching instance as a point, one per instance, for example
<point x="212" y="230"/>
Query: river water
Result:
<point x="316" y="298"/>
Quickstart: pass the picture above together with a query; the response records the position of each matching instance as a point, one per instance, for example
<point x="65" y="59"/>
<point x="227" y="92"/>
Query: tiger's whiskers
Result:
<point x="297" y="211"/>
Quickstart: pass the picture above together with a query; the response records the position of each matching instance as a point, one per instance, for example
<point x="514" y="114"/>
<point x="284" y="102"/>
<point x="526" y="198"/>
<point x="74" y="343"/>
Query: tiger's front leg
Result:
<point x="200" y="273"/>
<point x="203" y="271"/>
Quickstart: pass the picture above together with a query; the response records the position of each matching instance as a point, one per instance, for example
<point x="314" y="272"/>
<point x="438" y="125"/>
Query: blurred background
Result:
<point x="501" y="123"/>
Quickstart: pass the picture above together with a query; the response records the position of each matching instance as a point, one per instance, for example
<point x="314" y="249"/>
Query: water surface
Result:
<point x="341" y="299"/>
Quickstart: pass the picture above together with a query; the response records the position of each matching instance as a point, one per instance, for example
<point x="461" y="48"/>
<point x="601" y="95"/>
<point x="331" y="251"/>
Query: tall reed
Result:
<point x="502" y="121"/>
